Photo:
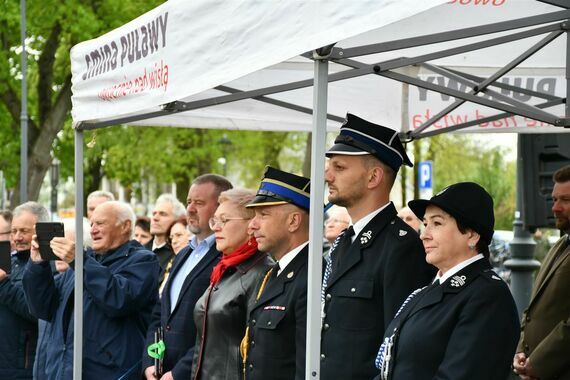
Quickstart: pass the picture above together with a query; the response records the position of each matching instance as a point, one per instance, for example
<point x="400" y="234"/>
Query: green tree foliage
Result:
<point x="53" y="27"/>
<point x="459" y="158"/>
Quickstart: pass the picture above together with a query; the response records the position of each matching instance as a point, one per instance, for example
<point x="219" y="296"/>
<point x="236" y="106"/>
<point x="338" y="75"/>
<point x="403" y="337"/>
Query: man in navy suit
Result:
<point x="189" y="278"/>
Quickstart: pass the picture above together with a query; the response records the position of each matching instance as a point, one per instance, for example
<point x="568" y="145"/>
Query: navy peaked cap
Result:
<point x="469" y="203"/>
<point x="278" y="187"/>
<point x="358" y="137"/>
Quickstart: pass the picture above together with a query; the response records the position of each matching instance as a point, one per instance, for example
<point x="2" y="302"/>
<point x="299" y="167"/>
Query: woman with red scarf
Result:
<point x="221" y="313"/>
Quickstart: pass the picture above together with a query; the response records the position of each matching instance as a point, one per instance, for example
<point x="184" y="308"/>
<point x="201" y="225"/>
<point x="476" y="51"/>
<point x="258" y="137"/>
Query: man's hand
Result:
<point x="167" y="376"/>
<point x="35" y="250"/>
<point x="63" y="248"/>
<point x="149" y="373"/>
<point x="3" y="275"/>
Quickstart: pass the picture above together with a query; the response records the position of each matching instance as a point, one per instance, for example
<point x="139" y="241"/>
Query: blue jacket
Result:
<point x="178" y="325"/>
<point x="19" y="327"/>
<point x="120" y="289"/>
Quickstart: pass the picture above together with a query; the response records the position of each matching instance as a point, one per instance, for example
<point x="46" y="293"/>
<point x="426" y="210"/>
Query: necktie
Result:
<point x="383" y="357"/>
<point x="341" y="243"/>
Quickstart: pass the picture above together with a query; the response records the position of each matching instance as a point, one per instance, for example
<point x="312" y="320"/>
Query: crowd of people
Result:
<point x="217" y="290"/>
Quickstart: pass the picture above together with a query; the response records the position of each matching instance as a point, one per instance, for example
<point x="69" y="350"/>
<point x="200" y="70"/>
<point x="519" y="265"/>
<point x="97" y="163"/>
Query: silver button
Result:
<point x="353" y="290"/>
<point x="328" y="297"/>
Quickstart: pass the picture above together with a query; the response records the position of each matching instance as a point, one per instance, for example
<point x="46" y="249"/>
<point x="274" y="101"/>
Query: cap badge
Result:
<point x="290" y="274"/>
<point x="365" y="237"/>
<point x="403" y="233"/>
<point x="458" y="281"/>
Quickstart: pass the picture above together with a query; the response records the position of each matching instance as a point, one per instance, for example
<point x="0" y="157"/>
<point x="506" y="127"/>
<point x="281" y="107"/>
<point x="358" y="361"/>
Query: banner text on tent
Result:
<point x="128" y="48"/>
<point x="154" y="78"/>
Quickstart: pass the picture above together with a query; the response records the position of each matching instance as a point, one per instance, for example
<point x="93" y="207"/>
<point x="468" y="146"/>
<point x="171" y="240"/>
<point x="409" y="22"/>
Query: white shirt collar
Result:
<point x="457" y="268"/>
<point x="156" y="246"/>
<point x="289" y="256"/>
<point x="359" y="226"/>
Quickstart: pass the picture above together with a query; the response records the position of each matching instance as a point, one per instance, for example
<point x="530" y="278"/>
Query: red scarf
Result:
<point x="244" y="252"/>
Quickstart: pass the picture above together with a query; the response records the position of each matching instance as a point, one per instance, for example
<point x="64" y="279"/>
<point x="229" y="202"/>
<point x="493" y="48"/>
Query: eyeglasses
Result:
<point x="213" y="222"/>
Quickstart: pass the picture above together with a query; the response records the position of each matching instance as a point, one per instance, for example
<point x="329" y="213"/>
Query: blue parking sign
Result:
<point x="425" y="173"/>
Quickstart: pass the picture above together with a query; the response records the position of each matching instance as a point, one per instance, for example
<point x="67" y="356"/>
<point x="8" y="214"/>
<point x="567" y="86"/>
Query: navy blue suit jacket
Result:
<point x="178" y="325"/>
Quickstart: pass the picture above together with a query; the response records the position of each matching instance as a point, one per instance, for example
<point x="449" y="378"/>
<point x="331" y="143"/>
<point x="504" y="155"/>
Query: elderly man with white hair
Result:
<point x="120" y="289"/>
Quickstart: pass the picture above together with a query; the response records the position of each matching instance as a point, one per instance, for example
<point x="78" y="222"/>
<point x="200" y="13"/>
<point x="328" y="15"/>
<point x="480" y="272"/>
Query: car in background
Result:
<point x="500" y="252"/>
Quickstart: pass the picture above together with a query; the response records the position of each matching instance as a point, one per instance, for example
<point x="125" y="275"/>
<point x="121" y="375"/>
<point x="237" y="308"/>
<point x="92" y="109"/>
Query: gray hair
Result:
<point x="124" y="212"/>
<point x="69" y="226"/>
<point x="241" y="198"/>
<point x="178" y="208"/>
<point x="101" y="194"/>
<point x="41" y="213"/>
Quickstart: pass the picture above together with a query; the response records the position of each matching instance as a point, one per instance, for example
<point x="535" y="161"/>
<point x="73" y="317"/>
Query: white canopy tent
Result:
<point x="243" y="64"/>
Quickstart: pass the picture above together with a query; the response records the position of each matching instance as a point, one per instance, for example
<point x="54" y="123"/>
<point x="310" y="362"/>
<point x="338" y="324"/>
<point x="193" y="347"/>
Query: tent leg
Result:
<point x="320" y="88"/>
<point x="78" y="295"/>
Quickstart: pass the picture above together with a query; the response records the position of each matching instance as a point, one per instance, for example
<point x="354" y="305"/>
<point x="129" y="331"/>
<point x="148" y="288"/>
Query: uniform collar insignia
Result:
<point x="403" y="233"/>
<point x="365" y="237"/>
<point x="458" y="281"/>
<point x="290" y="274"/>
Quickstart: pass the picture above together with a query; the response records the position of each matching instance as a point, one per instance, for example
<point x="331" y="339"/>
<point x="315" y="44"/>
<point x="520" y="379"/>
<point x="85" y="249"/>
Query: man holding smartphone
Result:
<point x="19" y="327"/>
<point x="120" y="289"/>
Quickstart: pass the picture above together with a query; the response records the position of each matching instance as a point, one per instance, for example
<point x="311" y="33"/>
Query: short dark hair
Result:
<point x="482" y="246"/>
<point x="562" y="174"/>
<point x="7" y="215"/>
<point x="143" y="222"/>
<point x="371" y="161"/>
<point x="220" y="183"/>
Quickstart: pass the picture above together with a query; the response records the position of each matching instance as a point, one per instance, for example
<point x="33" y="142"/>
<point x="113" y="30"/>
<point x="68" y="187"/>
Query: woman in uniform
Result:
<point x="220" y="314"/>
<point x="464" y="325"/>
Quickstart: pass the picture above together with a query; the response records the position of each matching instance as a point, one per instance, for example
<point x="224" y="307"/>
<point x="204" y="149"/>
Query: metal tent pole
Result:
<point x="320" y="95"/>
<point x="24" y="111"/>
<point x="78" y="267"/>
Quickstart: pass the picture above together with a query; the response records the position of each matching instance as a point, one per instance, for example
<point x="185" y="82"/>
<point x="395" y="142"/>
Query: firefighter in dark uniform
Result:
<point x="377" y="262"/>
<point x="274" y="345"/>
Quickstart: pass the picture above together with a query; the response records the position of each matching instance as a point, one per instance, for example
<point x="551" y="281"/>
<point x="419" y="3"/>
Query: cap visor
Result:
<point x="348" y="150"/>
<point x="263" y="200"/>
<point x="418" y="207"/>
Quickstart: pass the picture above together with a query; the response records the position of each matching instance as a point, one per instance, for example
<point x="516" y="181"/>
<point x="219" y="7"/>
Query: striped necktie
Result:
<point x="341" y="243"/>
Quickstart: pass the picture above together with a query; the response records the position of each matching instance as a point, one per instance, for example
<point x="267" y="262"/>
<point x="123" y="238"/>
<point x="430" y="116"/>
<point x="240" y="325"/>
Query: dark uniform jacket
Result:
<point x="120" y="290"/>
<point x="545" y="336"/>
<point x="19" y="327"/>
<point x="372" y="278"/>
<point x="229" y="302"/>
<point x="164" y="255"/>
<point x="466" y="328"/>
<point x="178" y="327"/>
<point x="277" y="325"/>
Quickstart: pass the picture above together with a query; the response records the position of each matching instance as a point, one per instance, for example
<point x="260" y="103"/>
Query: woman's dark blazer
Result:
<point x="466" y="328"/>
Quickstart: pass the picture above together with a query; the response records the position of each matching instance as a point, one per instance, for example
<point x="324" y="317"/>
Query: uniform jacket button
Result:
<point x="326" y="326"/>
<point x="167" y="327"/>
<point x="253" y="322"/>
<point x="328" y="297"/>
<point x="323" y="357"/>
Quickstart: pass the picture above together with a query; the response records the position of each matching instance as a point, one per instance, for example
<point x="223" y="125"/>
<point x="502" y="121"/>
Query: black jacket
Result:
<point x="164" y="255"/>
<point x="229" y="302"/>
<point x="466" y="328"/>
<point x="277" y="325"/>
<point x="19" y="327"/>
<point x="178" y="327"/>
<point x="383" y="265"/>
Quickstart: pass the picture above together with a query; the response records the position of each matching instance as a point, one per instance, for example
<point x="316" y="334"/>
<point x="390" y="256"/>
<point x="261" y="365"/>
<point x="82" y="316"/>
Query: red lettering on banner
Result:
<point x="154" y="79"/>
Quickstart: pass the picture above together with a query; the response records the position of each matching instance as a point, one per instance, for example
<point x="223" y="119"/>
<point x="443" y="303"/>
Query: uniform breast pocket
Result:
<point x="270" y="319"/>
<point x="354" y="301"/>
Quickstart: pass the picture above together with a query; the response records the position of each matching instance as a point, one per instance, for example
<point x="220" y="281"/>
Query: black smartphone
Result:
<point x="5" y="256"/>
<point x="45" y="231"/>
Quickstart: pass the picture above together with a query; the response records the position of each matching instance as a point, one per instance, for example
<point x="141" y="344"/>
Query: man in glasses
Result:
<point x="20" y="331"/>
<point x="189" y="278"/>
